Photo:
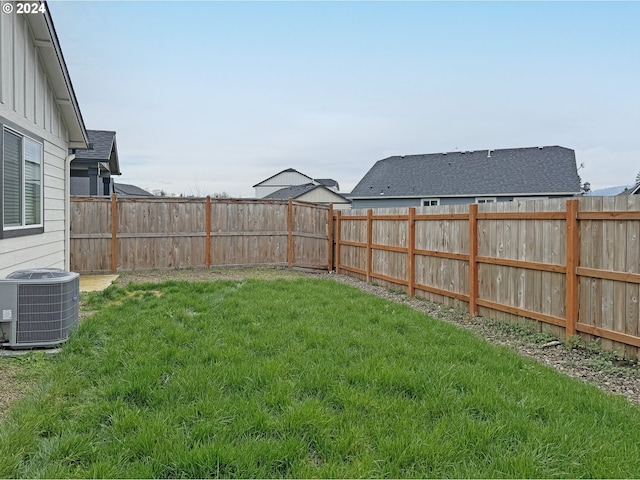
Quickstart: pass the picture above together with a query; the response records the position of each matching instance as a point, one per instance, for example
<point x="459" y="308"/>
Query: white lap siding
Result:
<point x="27" y="101"/>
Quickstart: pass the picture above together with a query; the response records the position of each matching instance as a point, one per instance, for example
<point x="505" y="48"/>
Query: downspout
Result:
<point x="67" y="211"/>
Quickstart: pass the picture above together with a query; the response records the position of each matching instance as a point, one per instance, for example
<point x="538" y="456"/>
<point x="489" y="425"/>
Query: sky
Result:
<point x="209" y="97"/>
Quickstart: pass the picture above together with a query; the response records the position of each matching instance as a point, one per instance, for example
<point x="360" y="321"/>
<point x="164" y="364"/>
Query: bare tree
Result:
<point x="638" y="178"/>
<point x="196" y="190"/>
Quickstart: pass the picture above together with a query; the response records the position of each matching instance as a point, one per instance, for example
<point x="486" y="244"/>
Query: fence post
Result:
<point x="114" y="234"/>
<point x="338" y="233"/>
<point x="207" y="243"/>
<point x="573" y="259"/>
<point x="412" y="247"/>
<point x="290" y="246"/>
<point x="473" y="253"/>
<point x="369" y="242"/>
<point x="330" y="235"/>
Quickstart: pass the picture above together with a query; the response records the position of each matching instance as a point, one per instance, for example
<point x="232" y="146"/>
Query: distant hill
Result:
<point x="606" y="192"/>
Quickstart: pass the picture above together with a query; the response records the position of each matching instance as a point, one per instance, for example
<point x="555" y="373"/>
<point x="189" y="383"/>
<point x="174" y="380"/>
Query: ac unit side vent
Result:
<point x="46" y="312"/>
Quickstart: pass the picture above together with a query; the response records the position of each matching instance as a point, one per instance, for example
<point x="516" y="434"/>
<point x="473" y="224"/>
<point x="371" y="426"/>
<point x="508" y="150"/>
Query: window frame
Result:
<point x="423" y="200"/>
<point x="486" y="200"/>
<point x="21" y="230"/>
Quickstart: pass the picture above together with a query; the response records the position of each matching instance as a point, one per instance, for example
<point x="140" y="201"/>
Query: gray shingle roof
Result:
<point x="127" y="190"/>
<point x="296" y="191"/>
<point x="635" y="190"/>
<point x="535" y="170"/>
<point x="327" y="182"/>
<point x="291" y="192"/>
<point x="104" y="143"/>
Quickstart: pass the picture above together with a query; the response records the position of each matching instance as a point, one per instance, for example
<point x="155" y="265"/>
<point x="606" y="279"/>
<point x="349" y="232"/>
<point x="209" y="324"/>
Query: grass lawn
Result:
<point x="302" y="378"/>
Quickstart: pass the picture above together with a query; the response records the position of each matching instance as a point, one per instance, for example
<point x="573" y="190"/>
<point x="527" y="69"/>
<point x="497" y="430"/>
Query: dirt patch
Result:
<point x="12" y="388"/>
<point x="203" y="275"/>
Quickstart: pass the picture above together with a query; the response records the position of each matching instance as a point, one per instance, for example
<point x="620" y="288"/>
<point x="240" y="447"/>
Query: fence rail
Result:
<point x="572" y="265"/>
<point x="120" y="234"/>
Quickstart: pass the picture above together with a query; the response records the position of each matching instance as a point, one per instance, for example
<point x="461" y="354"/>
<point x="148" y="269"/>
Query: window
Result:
<point x="430" y="202"/>
<point x="486" y="200"/>
<point x="22" y="162"/>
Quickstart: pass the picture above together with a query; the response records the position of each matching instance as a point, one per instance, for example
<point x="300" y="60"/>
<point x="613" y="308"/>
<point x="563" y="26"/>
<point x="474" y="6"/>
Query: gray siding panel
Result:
<point x="417" y="202"/>
<point x="457" y="201"/>
<point x="386" y="203"/>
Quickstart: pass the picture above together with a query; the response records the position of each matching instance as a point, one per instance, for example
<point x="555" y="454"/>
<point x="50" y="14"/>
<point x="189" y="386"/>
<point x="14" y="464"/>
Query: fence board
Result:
<point x="595" y="261"/>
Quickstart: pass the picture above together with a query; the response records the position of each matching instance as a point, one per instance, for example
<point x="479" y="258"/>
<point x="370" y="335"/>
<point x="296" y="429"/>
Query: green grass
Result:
<point x="302" y="378"/>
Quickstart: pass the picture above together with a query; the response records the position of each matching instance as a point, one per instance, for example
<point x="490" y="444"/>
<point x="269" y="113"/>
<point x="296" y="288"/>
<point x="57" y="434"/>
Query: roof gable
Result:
<point x="272" y="180"/>
<point x="529" y="171"/>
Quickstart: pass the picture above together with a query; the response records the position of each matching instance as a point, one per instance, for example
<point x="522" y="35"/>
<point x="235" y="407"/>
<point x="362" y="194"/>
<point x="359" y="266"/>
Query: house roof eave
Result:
<point x="48" y="44"/>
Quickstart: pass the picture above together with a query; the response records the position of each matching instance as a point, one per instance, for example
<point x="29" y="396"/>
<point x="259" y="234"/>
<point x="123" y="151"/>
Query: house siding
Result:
<point x="417" y="202"/>
<point x="320" y="195"/>
<point x="282" y="180"/>
<point x="27" y="101"/>
<point x="385" y="203"/>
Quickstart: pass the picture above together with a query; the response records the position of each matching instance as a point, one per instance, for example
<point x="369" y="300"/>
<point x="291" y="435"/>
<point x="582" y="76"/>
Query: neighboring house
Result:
<point x="481" y="176"/>
<point x="126" y="190"/>
<point x="635" y="190"/>
<point x="93" y="167"/>
<point x="40" y="120"/>
<point x="291" y="178"/>
<point x="312" y="193"/>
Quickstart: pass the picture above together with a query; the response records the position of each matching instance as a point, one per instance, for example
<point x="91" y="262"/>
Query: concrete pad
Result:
<point x="17" y="353"/>
<point x="95" y="283"/>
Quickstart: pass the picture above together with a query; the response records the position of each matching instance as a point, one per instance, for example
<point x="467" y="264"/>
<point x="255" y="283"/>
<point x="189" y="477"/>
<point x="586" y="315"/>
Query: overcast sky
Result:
<point x="208" y="97"/>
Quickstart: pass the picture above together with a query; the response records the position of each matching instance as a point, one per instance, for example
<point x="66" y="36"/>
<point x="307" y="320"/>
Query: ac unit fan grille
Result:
<point x="46" y="312"/>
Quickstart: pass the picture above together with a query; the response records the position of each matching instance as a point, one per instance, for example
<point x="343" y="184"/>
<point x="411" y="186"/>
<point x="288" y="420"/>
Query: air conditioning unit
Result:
<point x="39" y="307"/>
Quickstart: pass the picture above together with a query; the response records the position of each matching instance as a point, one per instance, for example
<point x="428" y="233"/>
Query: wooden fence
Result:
<point x="120" y="234"/>
<point x="571" y="265"/>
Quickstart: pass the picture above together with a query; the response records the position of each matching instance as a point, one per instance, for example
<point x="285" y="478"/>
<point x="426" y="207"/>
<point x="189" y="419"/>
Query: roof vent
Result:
<point x="489" y="153"/>
<point x="540" y="148"/>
